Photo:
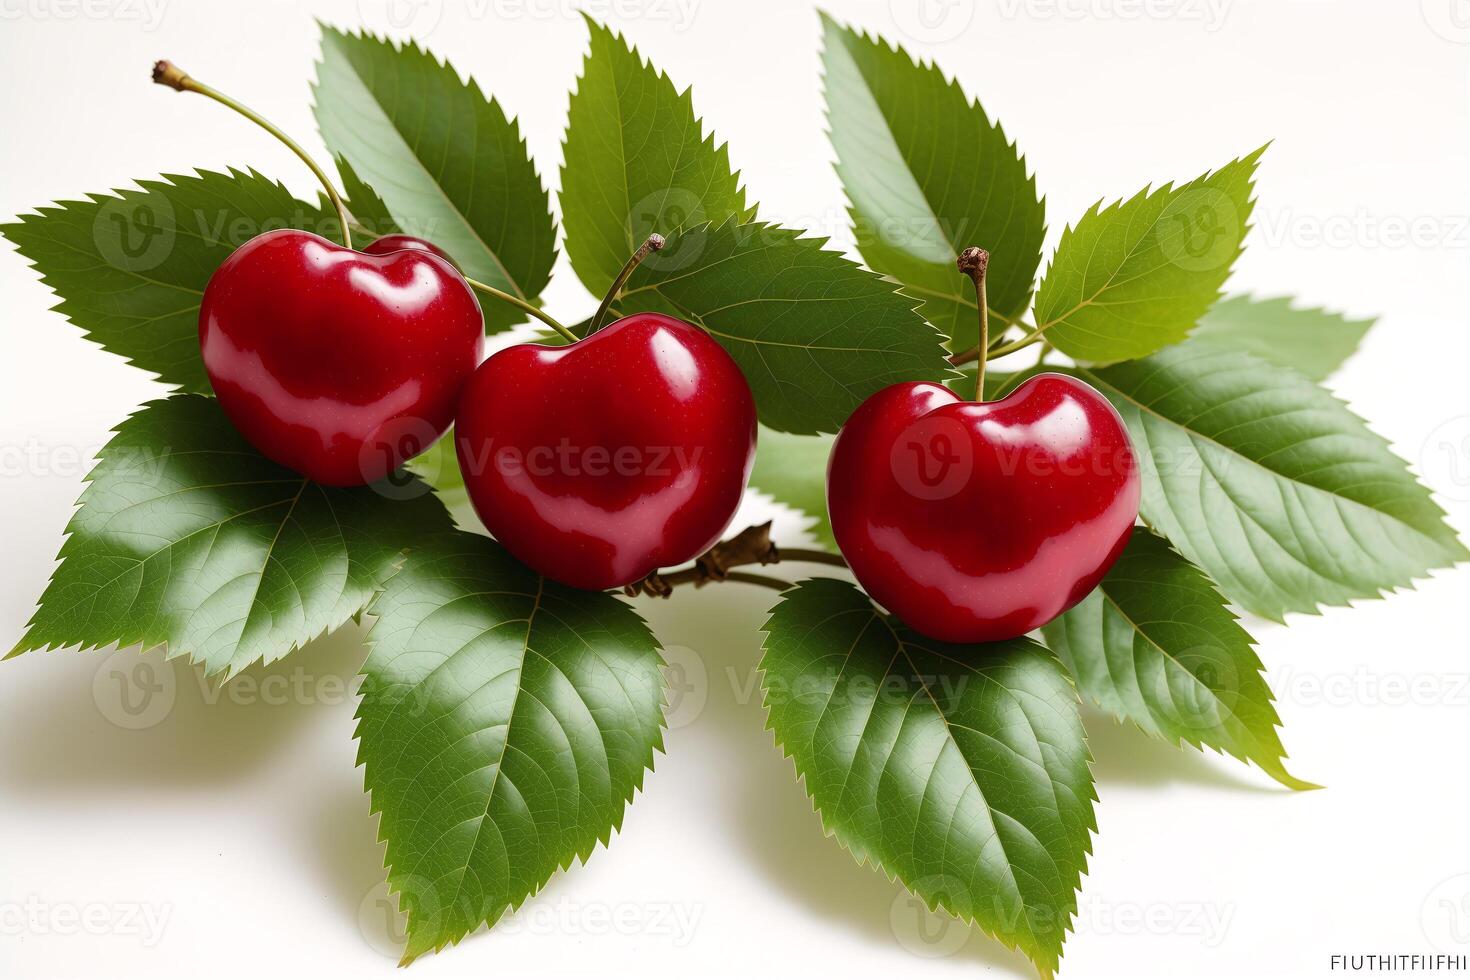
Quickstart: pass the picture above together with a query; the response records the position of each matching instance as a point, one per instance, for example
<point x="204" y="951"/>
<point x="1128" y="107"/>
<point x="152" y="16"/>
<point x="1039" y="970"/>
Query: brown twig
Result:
<point x="752" y="546"/>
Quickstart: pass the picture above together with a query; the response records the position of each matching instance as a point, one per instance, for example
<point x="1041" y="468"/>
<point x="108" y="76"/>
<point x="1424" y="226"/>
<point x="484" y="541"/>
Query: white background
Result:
<point x="237" y="820"/>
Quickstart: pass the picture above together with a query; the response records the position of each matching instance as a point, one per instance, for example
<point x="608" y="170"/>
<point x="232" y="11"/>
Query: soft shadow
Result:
<point x="1124" y="755"/>
<point x="114" y="723"/>
<point x="766" y="812"/>
<point x="338" y="839"/>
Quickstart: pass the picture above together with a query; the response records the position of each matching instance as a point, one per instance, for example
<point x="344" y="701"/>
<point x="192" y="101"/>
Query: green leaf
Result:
<point x="130" y="267"/>
<point x="1308" y="339"/>
<point x="1135" y="277"/>
<point x="450" y="166"/>
<point x="505" y="723"/>
<point x="368" y="209"/>
<point x="960" y="770"/>
<point x="793" y="469"/>
<point x="927" y="174"/>
<point x="814" y="333"/>
<point x="1270" y="484"/>
<point x="186" y="536"/>
<point x="637" y="161"/>
<point x="1156" y="645"/>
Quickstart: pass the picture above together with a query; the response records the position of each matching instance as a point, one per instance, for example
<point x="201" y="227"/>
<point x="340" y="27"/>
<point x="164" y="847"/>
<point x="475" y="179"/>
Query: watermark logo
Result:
<point x="932" y="459"/>
<point x="926" y="933"/>
<point x="1211" y="14"/>
<point x="142" y="921"/>
<point x="134" y="692"/>
<point x="382" y="925"/>
<point x="932" y="21"/>
<point x="1450" y="19"/>
<point x="686" y="686"/>
<point x="1200" y="230"/>
<point x="397" y="439"/>
<point x="148" y="14"/>
<point x="414" y="17"/>
<point x="136" y="232"/>
<point x="1210" y="700"/>
<point x="1444" y="461"/>
<point x="1445" y="914"/>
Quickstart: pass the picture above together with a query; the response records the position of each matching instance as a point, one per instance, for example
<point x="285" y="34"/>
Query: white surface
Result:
<point x="241" y="827"/>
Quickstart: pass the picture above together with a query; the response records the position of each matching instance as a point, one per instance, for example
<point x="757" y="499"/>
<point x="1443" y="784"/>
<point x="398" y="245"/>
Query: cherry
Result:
<point x="981" y="521"/>
<point x="398" y="243"/>
<point x="336" y="363"/>
<point x="599" y="462"/>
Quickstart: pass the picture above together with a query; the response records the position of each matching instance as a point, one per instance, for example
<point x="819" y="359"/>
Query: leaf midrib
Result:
<point x="412" y="153"/>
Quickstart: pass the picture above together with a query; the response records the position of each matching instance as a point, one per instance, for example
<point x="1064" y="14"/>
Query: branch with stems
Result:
<point x="752" y="546"/>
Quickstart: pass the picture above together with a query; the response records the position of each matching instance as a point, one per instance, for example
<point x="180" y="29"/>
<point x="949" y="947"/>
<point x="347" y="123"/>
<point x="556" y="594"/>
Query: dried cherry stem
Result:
<point x="973" y="262"/>
<point x="170" y="74"/>
<point x="752" y="546"/>
<point x="653" y="243"/>
<point x="524" y="306"/>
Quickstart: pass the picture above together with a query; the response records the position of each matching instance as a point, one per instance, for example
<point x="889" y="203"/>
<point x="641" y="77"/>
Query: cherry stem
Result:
<point x="752" y="546"/>
<point x="170" y="74"/>
<point x="652" y="244"/>
<point x="1016" y="345"/>
<point x="973" y="262"/>
<point x="973" y="354"/>
<point x="522" y="305"/>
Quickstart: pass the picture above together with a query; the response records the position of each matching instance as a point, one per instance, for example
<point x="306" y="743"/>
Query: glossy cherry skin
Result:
<point x="338" y="364"/>
<point x="398" y="243"/>
<point x="602" y="461"/>
<point x="975" y="522"/>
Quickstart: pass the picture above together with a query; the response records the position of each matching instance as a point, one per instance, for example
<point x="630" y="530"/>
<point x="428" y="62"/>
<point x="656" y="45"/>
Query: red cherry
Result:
<point x="398" y="243"/>
<point x="335" y="363"/>
<point x="602" y="461"/>
<point x="981" y="521"/>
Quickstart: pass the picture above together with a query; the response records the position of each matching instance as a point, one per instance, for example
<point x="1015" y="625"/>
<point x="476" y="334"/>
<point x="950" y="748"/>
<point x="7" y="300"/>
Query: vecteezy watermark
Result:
<point x="686" y="686"/>
<point x="1206" y="922"/>
<point x="1360" y="229"/>
<point x="934" y="458"/>
<point x="566" y="458"/>
<point x="1210" y="14"/>
<point x="1200" y="230"/>
<point x="147" y="14"/>
<point x="135" y="231"/>
<point x="34" y="916"/>
<point x="382" y="915"/>
<point x="921" y="925"/>
<point x="1444" y="460"/>
<point x="139" y="691"/>
<point x="932" y="932"/>
<point x="384" y="926"/>
<point x="1362" y="686"/>
<point x="35" y="458"/>
<point x="674" y="923"/>
<point x="1445" y="915"/>
<point x="135" y="692"/>
<point x="413" y="17"/>
<point x="932" y="21"/>
<point x="1450" y="19"/>
<point x="421" y="17"/>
